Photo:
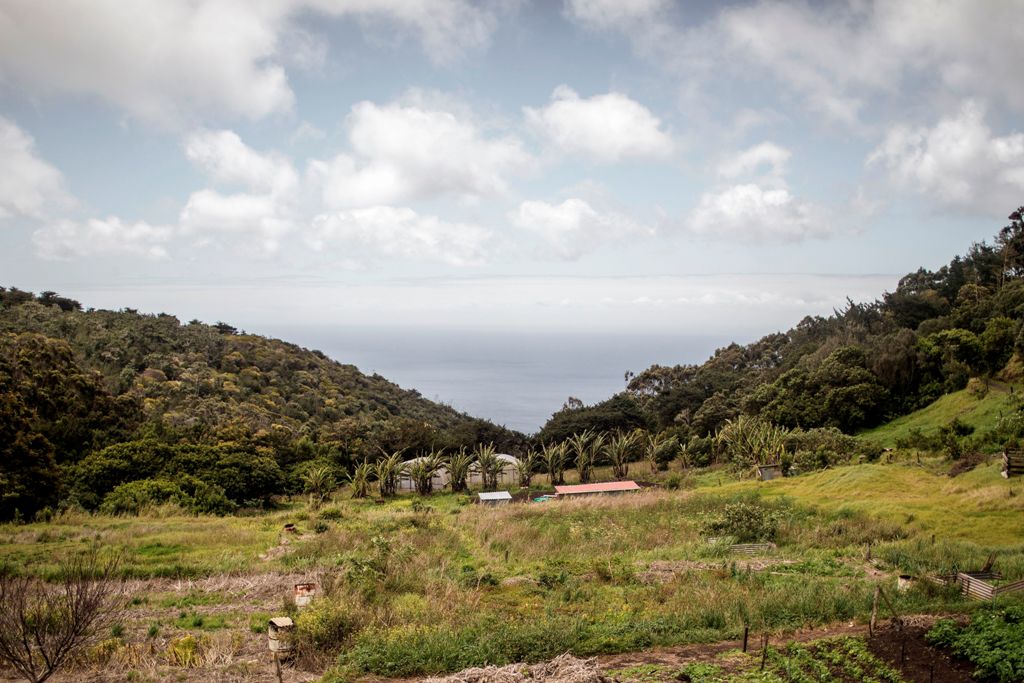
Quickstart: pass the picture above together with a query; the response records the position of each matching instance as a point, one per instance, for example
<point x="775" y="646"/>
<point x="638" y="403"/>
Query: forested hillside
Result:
<point x="860" y="367"/>
<point x="151" y="397"/>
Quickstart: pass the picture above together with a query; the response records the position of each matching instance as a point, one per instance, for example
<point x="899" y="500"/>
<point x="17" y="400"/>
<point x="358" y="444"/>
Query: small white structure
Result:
<point x="495" y="498"/>
<point x="279" y="634"/>
<point x="304" y="594"/>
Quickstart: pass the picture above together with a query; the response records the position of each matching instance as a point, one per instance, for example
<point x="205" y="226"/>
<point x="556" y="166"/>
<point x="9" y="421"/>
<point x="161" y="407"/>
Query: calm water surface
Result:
<point x="515" y="379"/>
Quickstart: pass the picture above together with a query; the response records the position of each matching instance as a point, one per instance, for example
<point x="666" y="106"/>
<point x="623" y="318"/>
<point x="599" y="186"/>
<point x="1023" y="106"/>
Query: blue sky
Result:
<point x="587" y="165"/>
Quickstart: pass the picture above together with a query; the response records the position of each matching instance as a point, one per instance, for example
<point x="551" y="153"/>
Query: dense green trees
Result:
<point x="93" y="400"/>
<point x="864" y="364"/>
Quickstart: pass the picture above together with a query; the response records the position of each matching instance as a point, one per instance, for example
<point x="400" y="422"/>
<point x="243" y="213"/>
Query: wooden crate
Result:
<point x="1013" y="464"/>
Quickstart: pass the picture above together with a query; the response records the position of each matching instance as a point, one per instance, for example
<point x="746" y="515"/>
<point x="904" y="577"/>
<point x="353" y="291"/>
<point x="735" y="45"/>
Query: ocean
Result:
<point x="516" y="379"/>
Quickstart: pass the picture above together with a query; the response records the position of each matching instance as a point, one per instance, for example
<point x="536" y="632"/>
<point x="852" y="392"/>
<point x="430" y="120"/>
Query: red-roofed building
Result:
<point x="604" y="487"/>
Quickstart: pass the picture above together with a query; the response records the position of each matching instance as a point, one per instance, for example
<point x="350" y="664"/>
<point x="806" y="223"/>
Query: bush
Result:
<point x="746" y="522"/>
<point x="325" y="624"/>
<point x="190" y="494"/>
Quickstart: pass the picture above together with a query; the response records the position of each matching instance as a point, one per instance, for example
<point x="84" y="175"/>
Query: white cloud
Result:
<point x="750" y="213"/>
<point x="386" y="231"/>
<point x="447" y="29"/>
<point x="226" y="159"/>
<point x="754" y="159"/>
<point x="169" y="61"/>
<point x="959" y="162"/>
<point x="404" y="152"/>
<point x="574" y="227"/>
<point x="160" y="61"/>
<point x="251" y="217"/>
<point x="611" y="14"/>
<point x="65" y="240"/>
<point x="609" y="127"/>
<point x="840" y="55"/>
<point x="29" y="186"/>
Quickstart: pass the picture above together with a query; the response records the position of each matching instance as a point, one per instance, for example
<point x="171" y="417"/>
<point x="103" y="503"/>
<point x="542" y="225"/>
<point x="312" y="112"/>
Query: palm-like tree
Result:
<point x="526" y="467"/>
<point x="318" y="482"/>
<point x="388" y="470"/>
<point x="620" y="449"/>
<point x="423" y="470"/>
<point x="581" y="445"/>
<point x="552" y="457"/>
<point x="659" y="448"/>
<point x="459" y="465"/>
<point x="488" y="464"/>
<point x="359" y="479"/>
<point x="751" y="441"/>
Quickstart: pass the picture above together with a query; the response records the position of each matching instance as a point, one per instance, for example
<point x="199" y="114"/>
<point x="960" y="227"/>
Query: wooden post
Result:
<point x="867" y="556"/>
<point x="874" y="612"/>
<point x="746" y="632"/>
<point x="277" y="668"/>
<point x="764" y="650"/>
<point x="895" y="614"/>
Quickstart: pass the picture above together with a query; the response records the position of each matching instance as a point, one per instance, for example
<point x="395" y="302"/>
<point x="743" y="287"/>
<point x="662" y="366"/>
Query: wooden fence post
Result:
<point x="874" y="612"/>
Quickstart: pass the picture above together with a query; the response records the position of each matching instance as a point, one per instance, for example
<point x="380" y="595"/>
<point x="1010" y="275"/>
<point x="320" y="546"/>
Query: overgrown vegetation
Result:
<point x="993" y="641"/>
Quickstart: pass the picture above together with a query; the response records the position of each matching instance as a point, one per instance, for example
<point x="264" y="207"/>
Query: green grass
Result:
<point x="978" y="506"/>
<point x="416" y="586"/>
<point x="981" y="413"/>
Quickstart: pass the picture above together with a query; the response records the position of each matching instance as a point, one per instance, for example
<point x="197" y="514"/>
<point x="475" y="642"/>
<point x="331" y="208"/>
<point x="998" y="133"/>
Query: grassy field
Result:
<point x="414" y="586"/>
<point x="982" y="413"/>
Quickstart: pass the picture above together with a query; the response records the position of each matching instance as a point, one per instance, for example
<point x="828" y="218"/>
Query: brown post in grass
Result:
<point x="764" y="650"/>
<point x="874" y="612"/>
<point x="746" y="632"/>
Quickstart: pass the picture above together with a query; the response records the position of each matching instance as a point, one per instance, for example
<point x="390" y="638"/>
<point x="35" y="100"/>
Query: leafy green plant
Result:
<point x="993" y="641"/>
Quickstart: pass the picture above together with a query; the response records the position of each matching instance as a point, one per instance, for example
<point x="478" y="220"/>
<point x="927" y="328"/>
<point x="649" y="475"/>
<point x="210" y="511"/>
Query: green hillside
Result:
<point x="92" y="399"/>
<point x="982" y="412"/>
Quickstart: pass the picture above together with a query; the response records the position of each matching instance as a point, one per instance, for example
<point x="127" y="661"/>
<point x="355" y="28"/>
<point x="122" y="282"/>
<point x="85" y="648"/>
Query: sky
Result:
<point x="588" y="165"/>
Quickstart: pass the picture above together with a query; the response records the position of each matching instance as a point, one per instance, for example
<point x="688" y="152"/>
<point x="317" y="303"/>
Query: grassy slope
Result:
<point x="980" y="413"/>
<point x="978" y="506"/>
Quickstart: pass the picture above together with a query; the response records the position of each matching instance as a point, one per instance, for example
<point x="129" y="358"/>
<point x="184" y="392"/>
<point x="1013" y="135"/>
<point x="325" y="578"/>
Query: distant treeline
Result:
<point x="860" y="367"/>
<point x="239" y="412"/>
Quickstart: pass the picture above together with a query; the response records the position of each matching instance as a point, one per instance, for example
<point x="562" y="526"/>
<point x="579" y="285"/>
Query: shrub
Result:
<point x="746" y="522"/>
<point x="191" y="494"/>
<point x="44" y="625"/>
<point x="325" y="624"/>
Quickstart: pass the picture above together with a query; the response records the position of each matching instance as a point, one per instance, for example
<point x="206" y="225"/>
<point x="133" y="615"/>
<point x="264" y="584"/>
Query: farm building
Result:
<point x="593" y="489"/>
<point x="495" y="498"/>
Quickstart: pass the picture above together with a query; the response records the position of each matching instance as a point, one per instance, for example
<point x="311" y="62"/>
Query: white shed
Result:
<point x="495" y="498"/>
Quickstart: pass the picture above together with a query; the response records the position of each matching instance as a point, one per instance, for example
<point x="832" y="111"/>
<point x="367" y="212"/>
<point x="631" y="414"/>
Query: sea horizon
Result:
<point x="513" y="378"/>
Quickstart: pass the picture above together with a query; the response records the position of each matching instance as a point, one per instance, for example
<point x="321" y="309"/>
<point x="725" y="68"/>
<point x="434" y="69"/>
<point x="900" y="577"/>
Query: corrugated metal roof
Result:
<point x="282" y="622"/>
<point x="604" y="487"/>
<point x="496" y="495"/>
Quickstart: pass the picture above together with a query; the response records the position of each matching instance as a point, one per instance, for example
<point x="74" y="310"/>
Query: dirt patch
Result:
<point x="908" y="651"/>
<point x="563" y="669"/>
<point x="967" y="462"/>
<point x="284" y="546"/>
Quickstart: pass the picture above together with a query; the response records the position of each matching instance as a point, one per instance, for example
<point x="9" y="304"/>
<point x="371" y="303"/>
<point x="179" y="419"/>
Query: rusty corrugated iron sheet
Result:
<point x="604" y="487"/>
